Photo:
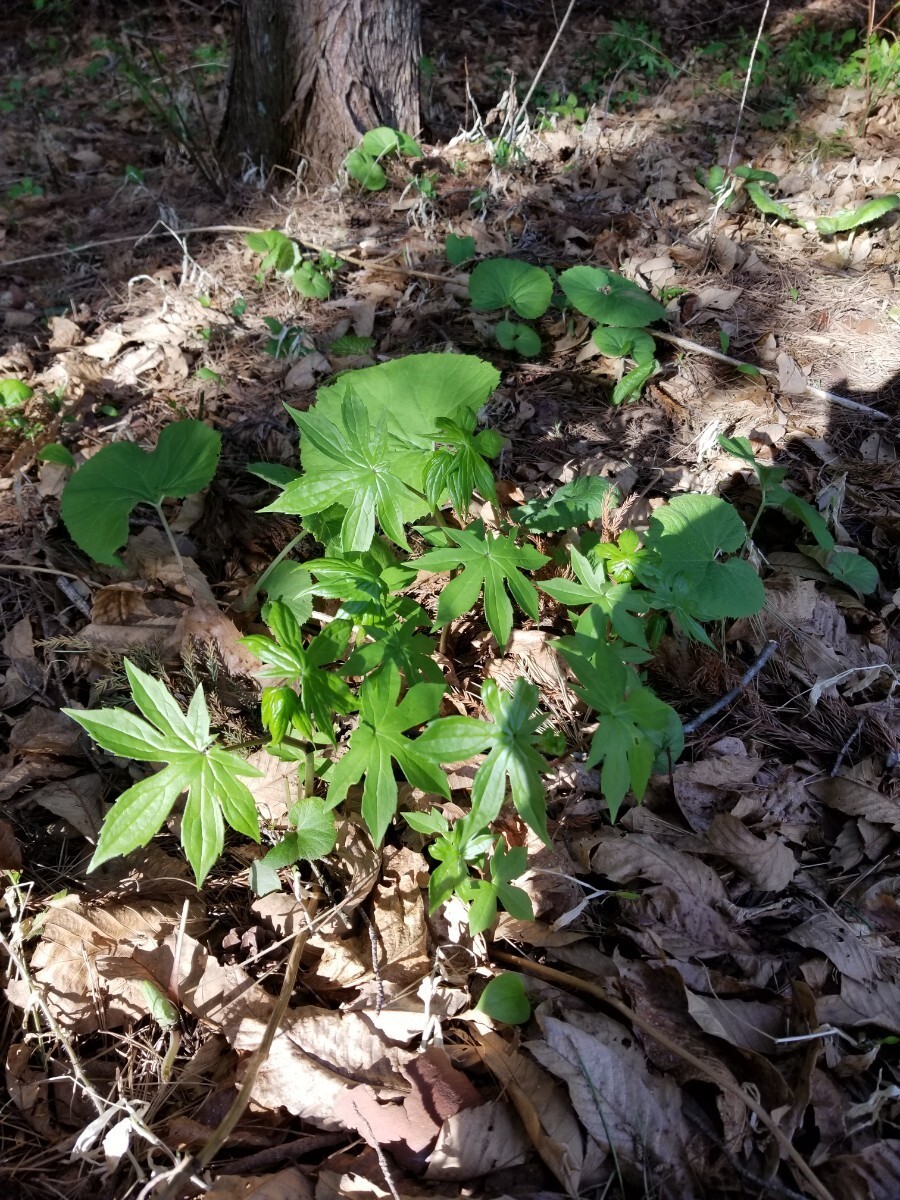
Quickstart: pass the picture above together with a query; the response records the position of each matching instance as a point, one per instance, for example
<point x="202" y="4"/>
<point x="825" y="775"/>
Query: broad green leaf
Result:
<point x="350" y="343"/>
<point x="432" y="823"/>
<point x="511" y="736"/>
<point x="279" y="252"/>
<point x="770" y="207"/>
<point x="504" y="1000"/>
<point x="509" y="283"/>
<point x="379" y="740"/>
<point x="209" y="774"/>
<point x="292" y="584"/>
<point x="311" y="282"/>
<point x="575" y="503"/>
<point x="362" y="167"/>
<point x="277" y="474"/>
<point x="314" y="835"/>
<point x="751" y="174"/>
<point x="615" y="342"/>
<point x="399" y="647"/>
<point x="385" y="140"/>
<point x="689" y="534"/>
<point x="358" y="474"/>
<point x="609" y="298"/>
<point x="56" y="453"/>
<point x="492" y="563"/>
<point x="459" y="249"/>
<point x="872" y="210"/>
<point x="14" y="392"/>
<point x="410" y="393"/>
<point x="632" y="381"/>
<point x="98" y="499"/>
<point x="521" y="338"/>
<point x="776" y="495"/>
<point x="853" y="570"/>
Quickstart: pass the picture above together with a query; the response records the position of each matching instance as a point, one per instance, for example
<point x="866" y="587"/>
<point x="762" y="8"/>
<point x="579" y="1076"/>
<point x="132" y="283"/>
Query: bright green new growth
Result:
<point x="459" y="249"/>
<point x="284" y="256"/>
<point x="14" y="392"/>
<point x="504" y="1000"/>
<point x="522" y="338"/>
<point x="364" y="163"/>
<point x="100" y="496"/>
<point x="509" y="283"/>
<point x="493" y="563"/>
<point x="209" y="774"/>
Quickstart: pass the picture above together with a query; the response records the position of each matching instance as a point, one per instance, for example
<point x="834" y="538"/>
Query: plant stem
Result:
<point x="279" y="558"/>
<point x="309" y="774"/>
<point x="170" y="536"/>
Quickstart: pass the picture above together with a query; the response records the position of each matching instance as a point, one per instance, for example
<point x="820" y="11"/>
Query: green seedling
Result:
<point x="100" y="496"/>
<point x="210" y="776"/>
<point x="364" y="163"/>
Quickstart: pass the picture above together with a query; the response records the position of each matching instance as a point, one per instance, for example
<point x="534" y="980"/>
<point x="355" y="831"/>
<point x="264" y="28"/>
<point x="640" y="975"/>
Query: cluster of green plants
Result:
<point x="729" y="187"/>
<point x="311" y="276"/>
<point x="780" y="72"/>
<point x="365" y="163"/>
<point x="391" y="461"/>
<point x="623" y="63"/>
<point x="622" y="311"/>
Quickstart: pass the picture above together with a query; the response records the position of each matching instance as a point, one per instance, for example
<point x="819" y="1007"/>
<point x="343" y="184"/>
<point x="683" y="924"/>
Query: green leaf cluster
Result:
<point x="284" y="256"/>
<point x="364" y="164"/>
<point x="210" y="776"/>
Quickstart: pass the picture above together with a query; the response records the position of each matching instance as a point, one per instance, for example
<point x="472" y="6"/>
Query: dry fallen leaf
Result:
<point x="477" y="1141"/>
<point x="289" y="1184"/>
<point x="767" y="862"/>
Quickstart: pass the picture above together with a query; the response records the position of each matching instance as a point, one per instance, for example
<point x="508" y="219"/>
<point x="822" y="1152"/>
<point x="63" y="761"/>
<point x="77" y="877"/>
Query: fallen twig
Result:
<point x="708" y="713"/>
<point x="819" y="393"/>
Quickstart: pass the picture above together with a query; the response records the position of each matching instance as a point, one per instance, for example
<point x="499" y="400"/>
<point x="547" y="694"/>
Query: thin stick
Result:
<point x="724" y="1082"/>
<point x="740" y="116"/>
<point x="746" y="679"/>
<point x="540" y="71"/>
<point x="48" y="571"/>
<point x="819" y="393"/>
<point x="173" y="1181"/>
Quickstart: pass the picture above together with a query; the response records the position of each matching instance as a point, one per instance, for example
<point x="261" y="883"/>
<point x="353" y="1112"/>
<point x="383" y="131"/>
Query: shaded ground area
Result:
<point x="715" y="977"/>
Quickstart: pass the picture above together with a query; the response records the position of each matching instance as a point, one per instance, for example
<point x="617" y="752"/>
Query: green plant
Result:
<point x="23" y="188"/>
<point x="356" y="701"/>
<point x="459" y="249"/>
<point x="287" y="341"/>
<point x="504" y="999"/>
<point x="364" y="164"/>
<point x="210" y="776"/>
<point x="284" y="256"/>
<point x="99" y="498"/>
<point x="854" y="570"/>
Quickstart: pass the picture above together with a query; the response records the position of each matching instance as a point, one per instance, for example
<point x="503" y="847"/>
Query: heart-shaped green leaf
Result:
<point x="99" y="497"/>
<point x="458" y="249"/>
<point x="508" y="283"/>
<point x="522" y="338"/>
<point x="504" y="999"/>
<point x="609" y="298"/>
<point x="385" y="140"/>
<point x="365" y="170"/>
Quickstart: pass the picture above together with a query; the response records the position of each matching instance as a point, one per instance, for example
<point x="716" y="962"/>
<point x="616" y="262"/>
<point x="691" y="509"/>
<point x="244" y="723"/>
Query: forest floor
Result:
<point x="715" y="977"/>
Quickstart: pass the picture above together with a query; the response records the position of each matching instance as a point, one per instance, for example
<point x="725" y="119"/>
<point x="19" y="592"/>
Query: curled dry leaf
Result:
<point x="748" y="1024"/>
<point x="65" y="963"/>
<point x="855" y="951"/>
<point x="477" y="1141"/>
<point x="315" y="1057"/>
<point x="766" y="862"/>
<point x="874" y="1003"/>
<point x="857" y="800"/>
<point x="543" y="1107"/>
<point x="636" y="1115"/>
<point x="77" y="801"/>
<point x="623" y="857"/>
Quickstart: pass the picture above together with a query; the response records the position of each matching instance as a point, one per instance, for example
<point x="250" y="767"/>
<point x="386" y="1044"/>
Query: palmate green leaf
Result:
<point x="399" y="647"/>
<point x="321" y="693"/>
<point x="511" y="737"/>
<point x="360" y="475"/>
<point x="292" y="584"/>
<point x="689" y="534"/>
<point x="610" y="298"/>
<point x="872" y="210"/>
<point x="210" y="775"/>
<point x="98" y="499"/>
<point x="509" y="283"/>
<point x="458" y="466"/>
<point x="491" y="563"/>
<point x="484" y="894"/>
<point x="635" y="725"/>
<point x="575" y="503"/>
<point x="616" y="600"/>
<point x="379" y="740"/>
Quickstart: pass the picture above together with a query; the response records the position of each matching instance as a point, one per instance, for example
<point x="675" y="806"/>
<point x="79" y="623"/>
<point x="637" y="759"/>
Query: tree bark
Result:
<point x="309" y="77"/>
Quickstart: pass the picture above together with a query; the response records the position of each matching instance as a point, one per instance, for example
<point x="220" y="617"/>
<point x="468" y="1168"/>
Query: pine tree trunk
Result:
<point x="310" y="76"/>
